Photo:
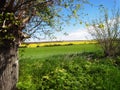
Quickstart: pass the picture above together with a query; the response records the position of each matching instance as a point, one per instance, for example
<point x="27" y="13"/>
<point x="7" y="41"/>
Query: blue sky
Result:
<point x="78" y="31"/>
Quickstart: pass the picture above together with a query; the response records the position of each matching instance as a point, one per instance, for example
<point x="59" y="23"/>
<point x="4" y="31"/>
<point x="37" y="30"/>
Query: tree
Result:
<point x="106" y="30"/>
<point x="18" y="17"/>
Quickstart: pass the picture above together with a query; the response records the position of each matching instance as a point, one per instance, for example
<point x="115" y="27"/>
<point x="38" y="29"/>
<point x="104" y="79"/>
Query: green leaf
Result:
<point x="87" y="25"/>
<point x="101" y="26"/>
<point x="77" y="7"/>
<point x="66" y="5"/>
<point x="80" y="22"/>
<point x="74" y="13"/>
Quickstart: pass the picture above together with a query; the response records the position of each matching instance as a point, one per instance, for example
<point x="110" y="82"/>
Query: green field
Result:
<point x="42" y="52"/>
<point x="74" y="67"/>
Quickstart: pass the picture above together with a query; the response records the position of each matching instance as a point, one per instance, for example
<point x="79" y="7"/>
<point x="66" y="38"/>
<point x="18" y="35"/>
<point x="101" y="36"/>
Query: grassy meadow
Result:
<point x="67" y="67"/>
<point x="42" y="52"/>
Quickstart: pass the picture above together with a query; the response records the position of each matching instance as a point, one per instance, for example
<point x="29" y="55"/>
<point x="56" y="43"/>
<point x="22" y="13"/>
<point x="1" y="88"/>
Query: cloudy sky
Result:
<point x="79" y="34"/>
<point x="79" y="31"/>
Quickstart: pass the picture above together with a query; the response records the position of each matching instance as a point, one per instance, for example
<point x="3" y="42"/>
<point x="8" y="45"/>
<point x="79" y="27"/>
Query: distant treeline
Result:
<point x="56" y="43"/>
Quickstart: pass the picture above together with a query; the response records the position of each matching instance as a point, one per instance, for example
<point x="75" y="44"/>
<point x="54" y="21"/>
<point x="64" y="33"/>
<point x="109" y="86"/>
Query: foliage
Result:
<point x="106" y="31"/>
<point x="69" y="72"/>
<point x="20" y="17"/>
<point x="16" y="14"/>
<point x="7" y="22"/>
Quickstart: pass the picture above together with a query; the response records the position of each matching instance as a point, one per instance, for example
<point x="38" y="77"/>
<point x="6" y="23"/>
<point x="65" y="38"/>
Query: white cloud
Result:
<point x="80" y="34"/>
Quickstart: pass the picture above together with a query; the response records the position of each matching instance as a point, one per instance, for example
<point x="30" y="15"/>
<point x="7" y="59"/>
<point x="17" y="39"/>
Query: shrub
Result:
<point x="37" y="46"/>
<point x="23" y="46"/>
<point x="71" y="72"/>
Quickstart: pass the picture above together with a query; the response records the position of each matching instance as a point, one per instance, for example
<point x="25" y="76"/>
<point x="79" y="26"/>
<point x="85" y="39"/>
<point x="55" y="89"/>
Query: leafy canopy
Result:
<point x="34" y="16"/>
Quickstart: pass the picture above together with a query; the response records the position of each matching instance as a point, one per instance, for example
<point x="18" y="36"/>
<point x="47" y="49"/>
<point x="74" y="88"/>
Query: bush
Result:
<point x="71" y="72"/>
<point x="37" y="46"/>
<point x="52" y="45"/>
<point x="69" y="44"/>
<point x="23" y="46"/>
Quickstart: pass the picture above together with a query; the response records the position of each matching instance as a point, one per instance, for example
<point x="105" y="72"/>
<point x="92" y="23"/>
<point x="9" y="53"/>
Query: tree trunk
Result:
<point x="8" y="67"/>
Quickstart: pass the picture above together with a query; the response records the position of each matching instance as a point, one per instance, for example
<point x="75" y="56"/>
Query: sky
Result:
<point x="78" y="31"/>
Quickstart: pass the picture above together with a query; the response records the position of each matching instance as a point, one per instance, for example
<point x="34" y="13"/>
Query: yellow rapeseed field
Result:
<point x="56" y="43"/>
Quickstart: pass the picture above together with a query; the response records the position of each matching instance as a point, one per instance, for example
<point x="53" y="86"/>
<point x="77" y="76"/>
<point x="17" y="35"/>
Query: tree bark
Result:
<point x="8" y="67"/>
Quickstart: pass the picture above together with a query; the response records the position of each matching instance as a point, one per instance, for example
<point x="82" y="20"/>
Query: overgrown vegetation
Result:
<point x="106" y="31"/>
<point x="78" y="71"/>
